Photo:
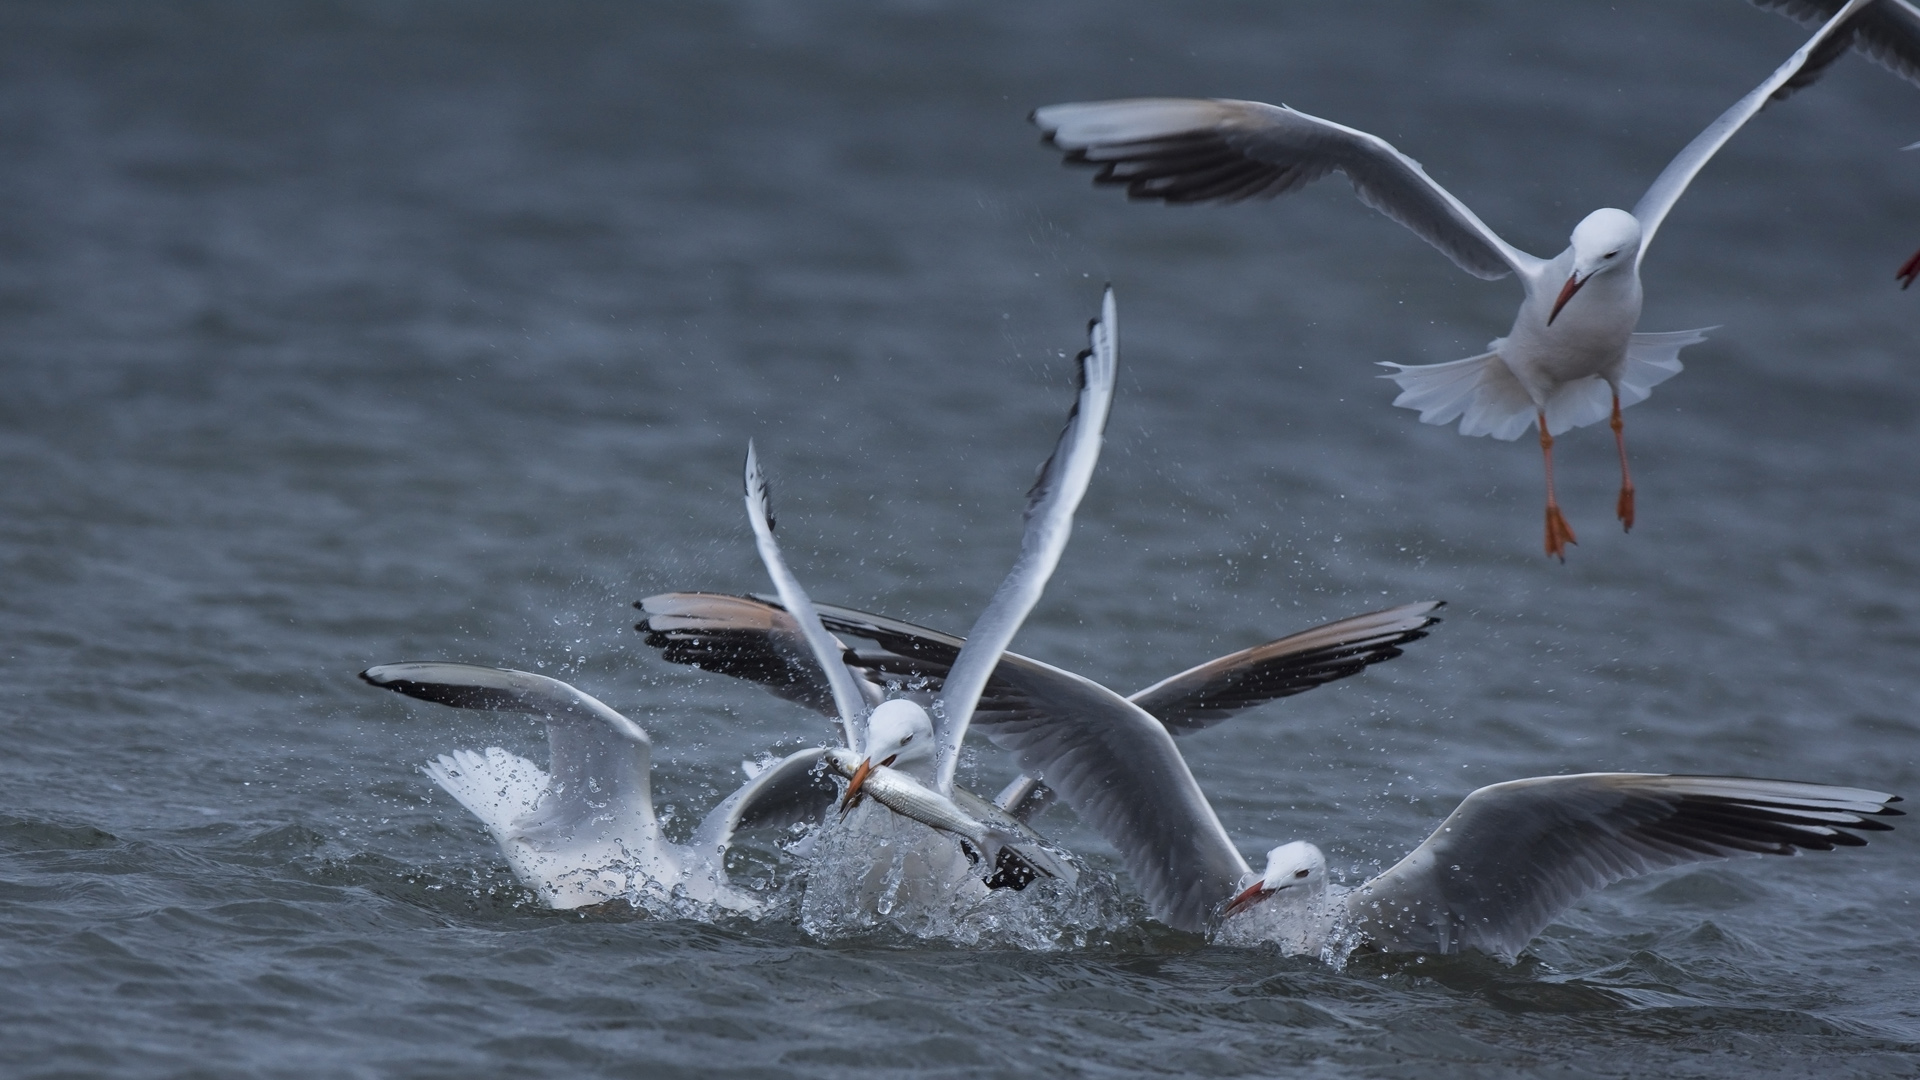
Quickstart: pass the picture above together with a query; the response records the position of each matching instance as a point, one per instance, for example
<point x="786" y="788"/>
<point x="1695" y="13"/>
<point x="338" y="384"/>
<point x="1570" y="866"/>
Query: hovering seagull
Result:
<point x="1573" y="344"/>
<point x="758" y="640"/>
<point x="915" y="749"/>
<point x="586" y="832"/>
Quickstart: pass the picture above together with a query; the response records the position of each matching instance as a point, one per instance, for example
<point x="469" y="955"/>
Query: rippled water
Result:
<point x="341" y="333"/>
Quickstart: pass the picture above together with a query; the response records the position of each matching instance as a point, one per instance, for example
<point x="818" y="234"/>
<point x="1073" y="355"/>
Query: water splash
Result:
<point x="874" y="871"/>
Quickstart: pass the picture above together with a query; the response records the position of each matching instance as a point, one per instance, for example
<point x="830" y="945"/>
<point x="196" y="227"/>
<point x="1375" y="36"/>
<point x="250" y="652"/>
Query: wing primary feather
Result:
<point x="1051" y="504"/>
<point x="827" y="652"/>
<point x="1653" y="207"/>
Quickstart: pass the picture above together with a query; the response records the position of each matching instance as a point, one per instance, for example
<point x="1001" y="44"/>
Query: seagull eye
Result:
<point x="1301" y="873"/>
<point x="907" y="738"/>
<point x="1609" y="254"/>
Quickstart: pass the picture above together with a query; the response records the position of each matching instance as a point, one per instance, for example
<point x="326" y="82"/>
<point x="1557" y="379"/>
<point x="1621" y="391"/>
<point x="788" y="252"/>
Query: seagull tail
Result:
<point x="1653" y="359"/>
<point x="496" y="786"/>
<point x="1480" y="391"/>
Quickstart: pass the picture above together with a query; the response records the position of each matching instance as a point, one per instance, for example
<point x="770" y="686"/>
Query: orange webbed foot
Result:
<point x="1559" y="533"/>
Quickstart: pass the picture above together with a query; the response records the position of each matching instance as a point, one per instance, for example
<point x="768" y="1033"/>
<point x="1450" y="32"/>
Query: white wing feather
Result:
<point x="1050" y="507"/>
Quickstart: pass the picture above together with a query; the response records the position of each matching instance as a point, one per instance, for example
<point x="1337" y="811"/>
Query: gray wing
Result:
<point x="1888" y="33"/>
<point x="754" y="639"/>
<point x="1190" y="150"/>
<point x="1051" y="504"/>
<point x="470" y="686"/>
<point x="1118" y="768"/>
<point x="758" y="640"/>
<point x="1515" y="855"/>
<point x="1672" y="182"/>
<point x="848" y="699"/>
<point x="600" y="760"/>
<point x="791" y="790"/>
<point x="1204" y="696"/>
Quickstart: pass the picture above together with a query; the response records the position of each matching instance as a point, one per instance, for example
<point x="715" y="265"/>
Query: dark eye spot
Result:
<point x="1301" y="873"/>
<point x="907" y="738"/>
<point x="1609" y="254"/>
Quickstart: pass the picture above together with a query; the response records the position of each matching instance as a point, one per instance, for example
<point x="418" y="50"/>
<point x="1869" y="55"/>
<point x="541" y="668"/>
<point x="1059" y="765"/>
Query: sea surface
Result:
<point x="339" y="332"/>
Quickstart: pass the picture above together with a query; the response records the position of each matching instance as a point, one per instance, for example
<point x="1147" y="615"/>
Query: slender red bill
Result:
<point x="1255" y="893"/>
<point x="1566" y="293"/>
<point x="852" y="797"/>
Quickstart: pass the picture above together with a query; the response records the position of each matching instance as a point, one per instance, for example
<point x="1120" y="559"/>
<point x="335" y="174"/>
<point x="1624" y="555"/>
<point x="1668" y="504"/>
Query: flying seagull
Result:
<point x="1573" y="356"/>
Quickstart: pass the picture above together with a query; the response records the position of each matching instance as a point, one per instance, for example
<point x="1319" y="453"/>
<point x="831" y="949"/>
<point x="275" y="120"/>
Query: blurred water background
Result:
<point x="336" y="333"/>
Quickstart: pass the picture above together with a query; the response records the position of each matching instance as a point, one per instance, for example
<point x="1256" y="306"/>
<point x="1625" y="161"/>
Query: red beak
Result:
<point x="852" y="798"/>
<point x="1566" y="293"/>
<point x="1255" y="893"/>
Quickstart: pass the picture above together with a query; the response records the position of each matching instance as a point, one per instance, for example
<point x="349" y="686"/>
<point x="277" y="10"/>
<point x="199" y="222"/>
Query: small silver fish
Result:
<point x="910" y="798"/>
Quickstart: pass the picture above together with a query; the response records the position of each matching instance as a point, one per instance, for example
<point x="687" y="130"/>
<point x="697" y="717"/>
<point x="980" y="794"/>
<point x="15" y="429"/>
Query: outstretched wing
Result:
<point x="599" y="758"/>
<point x="791" y="790"/>
<point x="848" y="699"/>
<point x="755" y="639"/>
<point x="1190" y="150"/>
<point x="1672" y="182"/>
<point x="1204" y="696"/>
<point x="1888" y="33"/>
<point x="1051" y="504"/>
<point x="1118" y="768"/>
<point x="1515" y="855"/>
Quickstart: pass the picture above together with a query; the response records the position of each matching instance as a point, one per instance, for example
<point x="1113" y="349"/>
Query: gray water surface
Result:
<point x="338" y="333"/>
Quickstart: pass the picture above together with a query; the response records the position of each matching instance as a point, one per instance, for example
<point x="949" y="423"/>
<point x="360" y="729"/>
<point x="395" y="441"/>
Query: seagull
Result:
<point x="1573" y="346"/>
<point x="757" y="639"/>
<point x="1489" y="878"/>
<point x="919" y="747"/>
<point x="586" y="834"/>
<point x="1515" y="855"/>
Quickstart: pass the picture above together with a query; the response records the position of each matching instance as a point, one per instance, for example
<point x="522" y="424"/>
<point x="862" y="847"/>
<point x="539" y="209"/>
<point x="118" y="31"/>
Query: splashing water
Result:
<point x="873" y="870"/>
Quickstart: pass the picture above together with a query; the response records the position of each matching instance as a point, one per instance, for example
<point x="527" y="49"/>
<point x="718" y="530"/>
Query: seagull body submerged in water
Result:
<point x="906" y="753"/>
<point x="1573" y="356"/>
<point x="585" y="832"/>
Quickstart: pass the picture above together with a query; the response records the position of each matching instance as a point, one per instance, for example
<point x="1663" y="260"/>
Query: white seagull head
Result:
<point x="1603" y="242"/>
<point x="899" y="736"/>
<point x="1298" y="868"/>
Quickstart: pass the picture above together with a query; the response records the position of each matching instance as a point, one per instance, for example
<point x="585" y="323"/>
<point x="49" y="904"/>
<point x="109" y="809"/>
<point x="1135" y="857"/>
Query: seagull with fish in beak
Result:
<point x="905" y="755"/>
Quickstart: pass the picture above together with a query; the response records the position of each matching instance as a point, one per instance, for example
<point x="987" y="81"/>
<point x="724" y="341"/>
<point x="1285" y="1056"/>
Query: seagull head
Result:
<point x="1296" y="866"/>
<point x="1603" y="242"/>
<point x="899" y="735"/>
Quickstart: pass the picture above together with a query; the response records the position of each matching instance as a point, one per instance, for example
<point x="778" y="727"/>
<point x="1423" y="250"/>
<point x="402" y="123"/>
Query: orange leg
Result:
<point x="1559" y="533"/>
<point x="1623" y="508"/>
<point x="1909" y="270"/>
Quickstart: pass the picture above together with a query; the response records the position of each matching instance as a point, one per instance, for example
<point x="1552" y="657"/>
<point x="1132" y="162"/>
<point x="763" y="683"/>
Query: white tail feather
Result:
<point x="1480" y="391"/>
<point x="1653" y="359"/>
<point x="1483" y="394"/>
<point x="498" y="787"/>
